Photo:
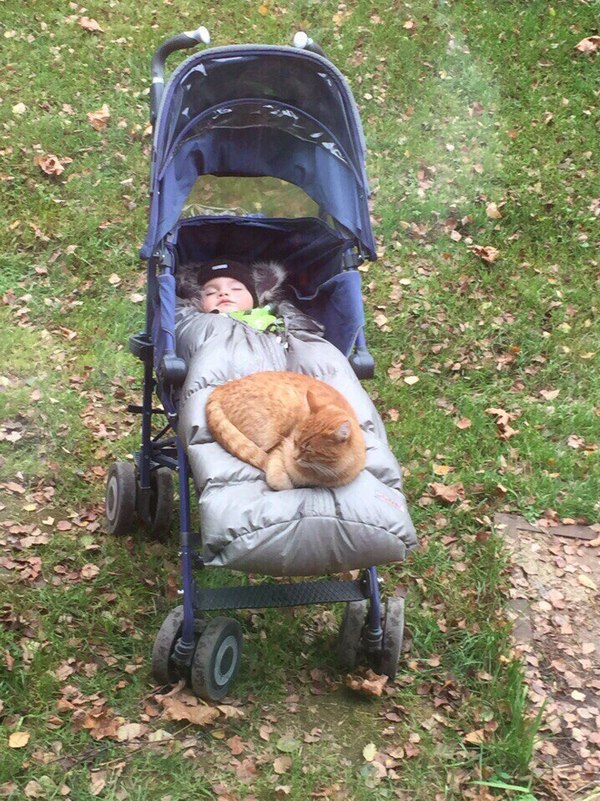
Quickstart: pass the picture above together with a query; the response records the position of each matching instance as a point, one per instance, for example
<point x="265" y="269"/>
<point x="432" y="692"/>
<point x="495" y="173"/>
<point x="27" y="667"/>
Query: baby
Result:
<point x="246" y="292"/>
<point x="221" y="288"/>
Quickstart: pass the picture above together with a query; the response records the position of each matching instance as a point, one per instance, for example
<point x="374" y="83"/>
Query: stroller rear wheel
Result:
<point x="163" y="670"/>
<point x="120" y="498"/>
<point x="350" y="636"/>
<point x="393" y="635"/>
<point x="158" y="525"/>
<point x="216" y="659"/>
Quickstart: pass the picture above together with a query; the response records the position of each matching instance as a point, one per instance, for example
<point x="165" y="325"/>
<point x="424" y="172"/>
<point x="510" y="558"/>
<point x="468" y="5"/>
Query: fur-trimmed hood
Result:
<point x="265" y="280"/>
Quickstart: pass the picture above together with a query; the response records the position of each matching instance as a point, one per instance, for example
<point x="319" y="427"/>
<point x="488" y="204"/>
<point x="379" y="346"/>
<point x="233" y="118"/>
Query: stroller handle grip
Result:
<point x="157" y="69"/>
<point x="303" y="41"/>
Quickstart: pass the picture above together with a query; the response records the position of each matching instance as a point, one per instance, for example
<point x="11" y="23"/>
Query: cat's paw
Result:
<point x="277" y="479"/>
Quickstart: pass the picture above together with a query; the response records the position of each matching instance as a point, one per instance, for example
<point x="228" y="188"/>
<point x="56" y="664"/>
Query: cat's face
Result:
<point x="321" y="438"/>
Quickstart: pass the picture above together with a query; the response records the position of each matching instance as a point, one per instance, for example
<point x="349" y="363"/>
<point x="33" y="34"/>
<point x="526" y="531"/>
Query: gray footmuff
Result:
<point x="300" y="532"/>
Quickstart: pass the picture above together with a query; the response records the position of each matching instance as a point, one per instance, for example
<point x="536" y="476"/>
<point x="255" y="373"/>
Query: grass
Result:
<point x="464" y="104"/>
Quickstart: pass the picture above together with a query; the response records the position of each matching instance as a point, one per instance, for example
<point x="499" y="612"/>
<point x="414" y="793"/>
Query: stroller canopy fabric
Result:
<point x="260" y="111"/>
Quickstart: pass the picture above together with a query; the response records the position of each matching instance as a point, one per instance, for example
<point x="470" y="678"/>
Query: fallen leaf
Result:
<point x="411" y="379"/>
<point x="369" y="684"/>
<point x="18" y="739"/>
<point x="463" y="423"/>
<point x="587" y="581"/>
<point x="487" y="252"/>
<point x="89" y="24"/>
<point x="98" y="781"/>
<point x="34" y="789"/>
<point x="369" y="752"/>
<point x="187" y="707"/>
<point x="475" y="737"/>
<point x="588" y="45"/>
<point x="130" y="731"/>
<point x="51" y="164"/>
<point x="282" y="764"/>
<point x="236" y="745"/>
<point x="19" y="108"/>
<point x="442" y="469"/>
<point x="492" y="211"/>
<point x="98" y="119"/>
<point x="449" y="493"/>
<point x="549" y="394"/>
<point x="89" y="571"/>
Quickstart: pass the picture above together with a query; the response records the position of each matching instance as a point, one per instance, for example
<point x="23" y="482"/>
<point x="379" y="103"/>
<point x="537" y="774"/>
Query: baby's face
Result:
<point x="225" y="294"/>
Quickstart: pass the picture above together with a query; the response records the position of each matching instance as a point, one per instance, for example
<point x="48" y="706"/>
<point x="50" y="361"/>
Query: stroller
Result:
<point x="284" y="115"/>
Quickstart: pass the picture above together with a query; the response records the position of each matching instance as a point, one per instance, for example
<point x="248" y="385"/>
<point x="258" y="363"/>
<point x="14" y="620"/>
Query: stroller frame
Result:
<point x="207" y="654"/>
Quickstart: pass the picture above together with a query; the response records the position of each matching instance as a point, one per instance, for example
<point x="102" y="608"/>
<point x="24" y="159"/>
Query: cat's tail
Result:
<point x="231" y="438"/>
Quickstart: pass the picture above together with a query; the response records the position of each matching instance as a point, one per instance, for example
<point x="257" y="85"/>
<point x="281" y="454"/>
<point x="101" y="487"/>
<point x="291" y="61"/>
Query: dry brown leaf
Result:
<point x="282" y="764"/>
<point x="187" y="707"/>
<point x="587" y="581"/>
<point x="89" y="24"/>
<point x="18" y="739"/>
<point x="229" y="711"/>
<point x="89" y="571"/>
<point x="51" y="164"/>
<point x="98" y="780"/>
<point x="475" y="737"/>
<point x="492" y="211"/>
<point x="369" y="684"/>
<point x="449" y="493"/>
<point x="485" y="252"/>
<point x="588" y="45"/>
<point x="463" y="423"/>
<point x="442" y="469"/>
<point x="98" y="119"/>
<point x="34" y="789"/>
<point x="130" y="731"/>
<point x="236" y="745"/>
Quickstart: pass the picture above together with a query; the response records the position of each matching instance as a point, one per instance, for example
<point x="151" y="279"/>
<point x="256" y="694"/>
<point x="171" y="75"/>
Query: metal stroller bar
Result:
<point x="180" y="42"/>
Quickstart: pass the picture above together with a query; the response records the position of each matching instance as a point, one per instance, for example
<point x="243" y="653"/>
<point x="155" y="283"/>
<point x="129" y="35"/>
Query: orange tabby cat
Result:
<point x="299" y="430"/>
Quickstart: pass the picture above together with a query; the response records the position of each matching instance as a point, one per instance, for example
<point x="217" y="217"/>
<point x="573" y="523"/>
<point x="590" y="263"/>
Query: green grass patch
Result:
<point x="464" y="104"/>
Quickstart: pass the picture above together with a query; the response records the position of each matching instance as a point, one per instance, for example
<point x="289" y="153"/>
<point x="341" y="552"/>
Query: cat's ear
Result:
<point x="314" y="404"/>
<point x="342" y="433"/>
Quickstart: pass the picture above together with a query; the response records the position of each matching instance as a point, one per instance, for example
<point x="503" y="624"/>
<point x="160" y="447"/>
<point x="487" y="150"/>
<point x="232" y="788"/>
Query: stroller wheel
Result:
<point x="350" y="635"/>
<point x="393" y="634"/>
<point x="161" y="504"/>
<point x="120" y="498"/>
<point x="216" y="659"/>
<point x="163" y="670"/>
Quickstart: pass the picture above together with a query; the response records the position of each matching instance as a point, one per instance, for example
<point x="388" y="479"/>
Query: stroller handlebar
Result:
<point x="303" y="41"/>
<point x="180" y="42"/>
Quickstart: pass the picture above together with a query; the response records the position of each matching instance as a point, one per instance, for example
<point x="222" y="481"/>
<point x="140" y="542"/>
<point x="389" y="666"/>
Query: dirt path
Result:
<point x="555" y="595"/>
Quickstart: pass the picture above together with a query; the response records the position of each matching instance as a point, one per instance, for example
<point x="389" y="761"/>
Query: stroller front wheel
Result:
<point x="163" y="669"/>
<point x="216" y="659"/>
<point x="120" y="498"/>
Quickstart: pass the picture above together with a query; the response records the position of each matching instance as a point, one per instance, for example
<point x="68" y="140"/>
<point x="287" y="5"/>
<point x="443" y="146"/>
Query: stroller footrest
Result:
<point x="261" y="596"/>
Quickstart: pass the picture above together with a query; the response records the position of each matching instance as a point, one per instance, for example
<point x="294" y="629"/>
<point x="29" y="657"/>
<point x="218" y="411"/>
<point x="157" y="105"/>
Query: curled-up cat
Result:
<point x="300" y="431"/>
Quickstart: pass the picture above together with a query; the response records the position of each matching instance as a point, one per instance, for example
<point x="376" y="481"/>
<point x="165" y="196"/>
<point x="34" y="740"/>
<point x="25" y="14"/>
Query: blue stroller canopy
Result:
<point x="252" y="111"/>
